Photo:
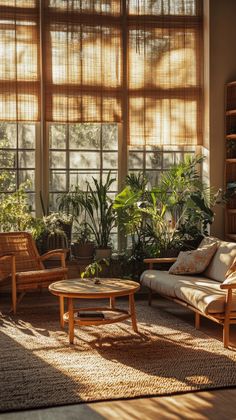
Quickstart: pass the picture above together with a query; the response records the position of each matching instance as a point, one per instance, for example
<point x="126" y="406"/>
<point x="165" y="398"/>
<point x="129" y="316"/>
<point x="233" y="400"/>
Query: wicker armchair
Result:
<point x="21" y="264"/>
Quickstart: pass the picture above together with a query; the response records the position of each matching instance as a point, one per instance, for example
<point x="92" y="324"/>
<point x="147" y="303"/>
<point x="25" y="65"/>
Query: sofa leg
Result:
<point x="226" y="334"/>
<point x="14" y="301"/>
<point x="197" y="320"/>
<point x="150" y="297"/>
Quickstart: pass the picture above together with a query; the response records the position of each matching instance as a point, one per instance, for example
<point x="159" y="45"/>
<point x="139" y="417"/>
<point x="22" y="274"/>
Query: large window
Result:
<point x="17" y="157"/>
<point x="74" y="74"/>
<point x="78" y="153"/>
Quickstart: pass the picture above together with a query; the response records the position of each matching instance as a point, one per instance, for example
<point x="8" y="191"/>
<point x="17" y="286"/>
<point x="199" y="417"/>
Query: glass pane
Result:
<point x="19" y="3"/>
<point x="168" y="160"/>
<point x="85" y="136"/>
<point x="154" y="160"/>
<point x="26" y="159"/>
<point x="110" y="160"/>
<point x="84" y="160"/>
<point x="31" y="200"/>
<point x="160" y="7"/>
<point x="106" y="7"/>
<point x="53" y="204"/>
<point x="80" y="179"/>
<point x="7" y="135"/>
<point x="135" y="160"/>
<point x="153" y="177"/>
<point x="26" y="136"/>
<point x="57" y="136"/>
<point x="57" y="181"/>
<point x="114" y="175"/>
<point x="28" y="176"/>
<point x="114" y="241"/>
<point x="57" y="160"/>
<point x="110" y="136"/>
<point x="8" y="182"/>
<point x="7" y="159"/>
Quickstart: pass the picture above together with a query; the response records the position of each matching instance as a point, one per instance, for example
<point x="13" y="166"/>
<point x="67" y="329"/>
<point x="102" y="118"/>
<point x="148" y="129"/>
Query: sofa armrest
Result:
<point x="158" y="260"/>
<point x="228" y="286"/>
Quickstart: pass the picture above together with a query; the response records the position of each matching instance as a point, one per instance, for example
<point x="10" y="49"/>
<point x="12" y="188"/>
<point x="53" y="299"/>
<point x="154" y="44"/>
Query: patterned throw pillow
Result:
<point x="194" y="262"/>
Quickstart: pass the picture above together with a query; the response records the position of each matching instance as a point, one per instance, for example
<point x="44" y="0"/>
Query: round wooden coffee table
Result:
<point x="87" y="289"/>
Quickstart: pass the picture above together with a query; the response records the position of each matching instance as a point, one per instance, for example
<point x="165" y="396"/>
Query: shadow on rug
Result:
<point x="168" y="356"/>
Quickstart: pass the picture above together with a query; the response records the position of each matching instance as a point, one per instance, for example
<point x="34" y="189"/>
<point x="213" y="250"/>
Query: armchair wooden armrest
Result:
<point x="12" y="259"/>
<point x="55" y="253"/>
<point x="158" y="260"/>
<point x="6" y="257"/>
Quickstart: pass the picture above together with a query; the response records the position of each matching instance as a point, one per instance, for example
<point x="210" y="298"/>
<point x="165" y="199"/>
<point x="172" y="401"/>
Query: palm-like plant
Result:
<point x="99" y="209"/>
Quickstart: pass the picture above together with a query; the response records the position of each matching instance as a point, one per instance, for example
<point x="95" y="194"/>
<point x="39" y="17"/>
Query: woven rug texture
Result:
<point x="38" y="368"/>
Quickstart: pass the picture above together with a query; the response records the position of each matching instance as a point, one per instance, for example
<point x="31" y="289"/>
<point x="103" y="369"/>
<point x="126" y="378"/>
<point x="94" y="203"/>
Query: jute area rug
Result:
<point x="38" y="368"/>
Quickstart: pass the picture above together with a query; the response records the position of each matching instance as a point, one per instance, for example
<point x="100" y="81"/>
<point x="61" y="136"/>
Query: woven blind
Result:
<point x="19" y="64"/>
<point x="164" y="76"/>
<point x="97" y="56"/>
<point x="83" y="61"/>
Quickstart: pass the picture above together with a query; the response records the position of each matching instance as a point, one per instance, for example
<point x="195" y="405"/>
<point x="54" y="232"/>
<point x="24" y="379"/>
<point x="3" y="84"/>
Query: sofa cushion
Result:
<point x="160" y="281"/>
<point x="194" y="262"/>
<point x="203" y="294"/>
<point x="164" y="283"/>
<point x="221" y="261"/>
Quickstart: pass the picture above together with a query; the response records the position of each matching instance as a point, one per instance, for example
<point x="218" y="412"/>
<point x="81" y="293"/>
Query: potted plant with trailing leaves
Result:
<point x="163" y="218"/>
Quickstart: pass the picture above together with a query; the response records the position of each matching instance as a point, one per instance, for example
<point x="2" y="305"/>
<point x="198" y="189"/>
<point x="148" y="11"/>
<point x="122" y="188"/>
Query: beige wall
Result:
<point x="219" y="68"/>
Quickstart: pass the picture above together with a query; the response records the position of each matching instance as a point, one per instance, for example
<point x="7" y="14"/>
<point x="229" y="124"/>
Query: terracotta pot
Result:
<point x="101" y="253"/>
<point x="85" y="250"/>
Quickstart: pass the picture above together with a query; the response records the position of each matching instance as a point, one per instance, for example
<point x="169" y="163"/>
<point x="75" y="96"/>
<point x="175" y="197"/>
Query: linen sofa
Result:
<point x="211" y="293"/>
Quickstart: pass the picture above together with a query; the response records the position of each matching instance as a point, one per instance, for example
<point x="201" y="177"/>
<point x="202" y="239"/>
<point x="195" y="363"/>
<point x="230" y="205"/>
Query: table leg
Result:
<point x="62" y="310"/>
<point x="112" y="302"/>
<point x="132" y="312"/>
<point x="71" y="320"/>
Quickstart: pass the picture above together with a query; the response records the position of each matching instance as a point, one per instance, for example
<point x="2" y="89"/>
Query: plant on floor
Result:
<point x="101" y="217"/>
<point x="96" y="208"/>
<point x="57" y="230"/>
<point x="164" y="217"/>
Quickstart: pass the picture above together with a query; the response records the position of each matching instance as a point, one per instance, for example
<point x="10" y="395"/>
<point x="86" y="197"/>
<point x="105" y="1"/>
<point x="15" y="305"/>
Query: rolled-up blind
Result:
<point x="105" y="61"/>
<point x="164" y="77"/>
<point x="19" y="60"/>
<point x="83" y="47"/>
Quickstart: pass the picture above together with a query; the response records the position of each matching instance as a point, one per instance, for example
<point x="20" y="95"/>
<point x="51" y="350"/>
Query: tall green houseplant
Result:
<point x="99" y="208"/>
<point x="168" y="215"/>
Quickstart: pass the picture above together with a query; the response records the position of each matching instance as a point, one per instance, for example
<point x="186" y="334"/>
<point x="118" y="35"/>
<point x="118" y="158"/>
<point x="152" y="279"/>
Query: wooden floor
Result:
<point x="215" y="405"/>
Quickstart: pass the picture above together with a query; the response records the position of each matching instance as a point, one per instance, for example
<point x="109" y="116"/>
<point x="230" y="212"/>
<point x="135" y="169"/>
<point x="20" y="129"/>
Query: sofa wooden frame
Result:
<point x="225" y="319"/>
